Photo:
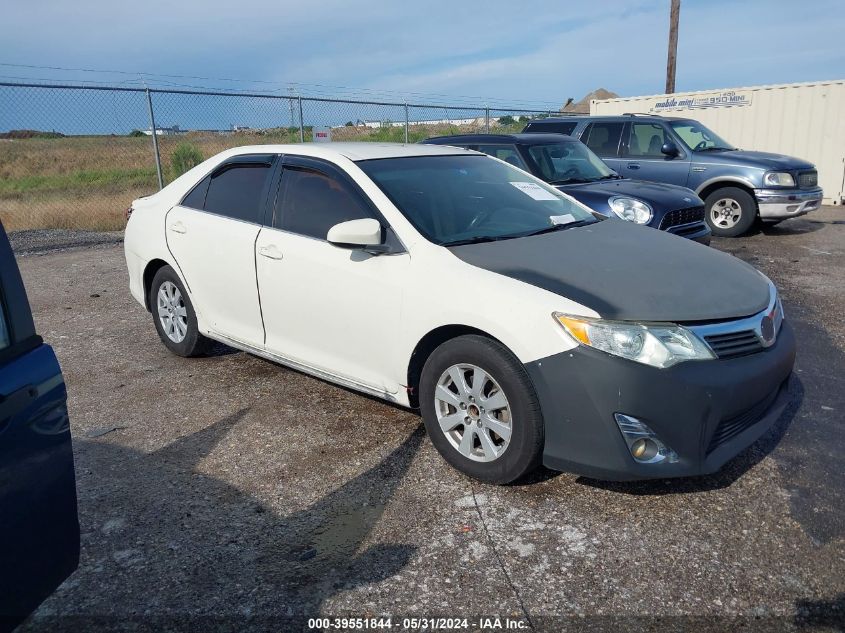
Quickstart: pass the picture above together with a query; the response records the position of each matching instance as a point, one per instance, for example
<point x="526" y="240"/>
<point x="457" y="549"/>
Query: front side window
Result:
<point x="313" y="202"/>
<point x="698" y="138"/>
<point x="4" y="329"/>
<point x="573" y="162"/>
<point x="459" y="199"/>
<point x="506" y="153"/>
<point x="238" y="191"/>
<point x="646" y="139"/>
<point x="603" y="138"/>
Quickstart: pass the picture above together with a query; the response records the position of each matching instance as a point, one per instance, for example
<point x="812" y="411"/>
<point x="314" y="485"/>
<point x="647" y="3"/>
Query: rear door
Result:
<point x="39" y="528"/>
<point x="605" y="139"/>
<point x="212" y="234"/>
<point x="641" y="143"/>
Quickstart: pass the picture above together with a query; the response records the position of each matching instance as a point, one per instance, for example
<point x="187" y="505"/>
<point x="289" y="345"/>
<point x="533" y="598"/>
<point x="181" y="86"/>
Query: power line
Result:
<point x="305" y="88"/>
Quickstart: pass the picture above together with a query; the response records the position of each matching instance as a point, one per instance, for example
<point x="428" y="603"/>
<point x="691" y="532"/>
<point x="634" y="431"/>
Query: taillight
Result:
<point x="128" y="213"/>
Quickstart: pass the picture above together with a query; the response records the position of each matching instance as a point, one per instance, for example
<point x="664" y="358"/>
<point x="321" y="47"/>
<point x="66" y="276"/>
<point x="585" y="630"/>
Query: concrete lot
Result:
<point x="233" y="488"/>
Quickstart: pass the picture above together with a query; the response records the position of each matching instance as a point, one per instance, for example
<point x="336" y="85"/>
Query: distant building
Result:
<point x="165" y="131"/>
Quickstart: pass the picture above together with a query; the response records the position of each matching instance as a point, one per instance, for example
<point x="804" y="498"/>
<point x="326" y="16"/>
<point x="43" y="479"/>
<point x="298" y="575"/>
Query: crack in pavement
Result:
<point x="499" y="558"/>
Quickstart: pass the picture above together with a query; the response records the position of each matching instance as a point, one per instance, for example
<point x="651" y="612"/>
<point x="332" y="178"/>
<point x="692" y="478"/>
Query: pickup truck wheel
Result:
<point x="174" y="316"/>
<point x="731" y="211"/>
<point x="480" y="409"/>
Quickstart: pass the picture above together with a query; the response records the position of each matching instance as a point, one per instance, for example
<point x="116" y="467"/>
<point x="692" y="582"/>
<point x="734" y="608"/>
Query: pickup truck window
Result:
<point x="603" y="137"/>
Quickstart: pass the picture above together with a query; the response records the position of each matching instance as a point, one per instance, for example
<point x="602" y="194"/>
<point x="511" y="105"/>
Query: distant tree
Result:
<point x="349" y="124"/>
<point x="186" y="156"/>
<point x="524" y="119"/>
<point x="136" y="133"/>
<point x="506" y="120"/>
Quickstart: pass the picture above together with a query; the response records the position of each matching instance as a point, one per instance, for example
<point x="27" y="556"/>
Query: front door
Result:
<point x="212" y="238"/>
<point x="332" y="309"/>
<point x="39" y="528"/>
<point x="643" y="160"/>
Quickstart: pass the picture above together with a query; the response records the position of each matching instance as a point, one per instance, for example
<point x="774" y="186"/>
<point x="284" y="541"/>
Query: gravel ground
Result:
<point x="39" y="241"/>
<point x="231" y="493"/>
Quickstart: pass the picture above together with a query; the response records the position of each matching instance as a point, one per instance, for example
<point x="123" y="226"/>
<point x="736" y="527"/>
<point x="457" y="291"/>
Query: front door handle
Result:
<point x="270" y="252"/>
<point x="178" y="227"/>
<point x="633" y="165"/>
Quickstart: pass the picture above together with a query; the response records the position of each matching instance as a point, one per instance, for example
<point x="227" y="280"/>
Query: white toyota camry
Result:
<point x="526" y="329"/>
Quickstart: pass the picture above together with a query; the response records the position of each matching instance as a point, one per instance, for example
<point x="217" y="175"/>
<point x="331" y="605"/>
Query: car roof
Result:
<point x="621" y="117"/>
<point x="521" y="139"/>
<point x="352" y="151"/>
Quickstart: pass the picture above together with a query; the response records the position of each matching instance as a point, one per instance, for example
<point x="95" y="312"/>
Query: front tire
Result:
<point x="174" y="316"/>
<point x="730" y="211"/>
<point x="481" y="411"/>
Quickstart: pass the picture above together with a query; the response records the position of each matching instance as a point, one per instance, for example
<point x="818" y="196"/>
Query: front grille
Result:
<point x="734" y="344"/>
<point x="731" y="427"/>
<point x="808" y="179"/>
<point x="682" y="216"/>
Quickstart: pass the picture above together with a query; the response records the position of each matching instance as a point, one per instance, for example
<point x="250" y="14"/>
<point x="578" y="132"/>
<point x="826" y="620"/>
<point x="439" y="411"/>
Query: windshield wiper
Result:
<point x="478" y="240"/>
<point x="569" y="181"/>
<point x="611" y="177"/>
<point x="558" y="227"/>
<point x="718" y="149"/>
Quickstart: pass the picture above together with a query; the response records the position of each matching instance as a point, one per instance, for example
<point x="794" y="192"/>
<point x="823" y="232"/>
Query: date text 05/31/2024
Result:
<point x="492" y="623"/>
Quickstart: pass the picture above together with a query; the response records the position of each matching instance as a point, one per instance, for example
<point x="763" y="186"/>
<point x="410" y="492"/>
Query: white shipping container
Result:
<point x="805" y="120"/>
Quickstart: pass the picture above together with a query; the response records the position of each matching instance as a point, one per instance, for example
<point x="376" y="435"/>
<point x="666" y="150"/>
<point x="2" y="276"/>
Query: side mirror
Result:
<point x="364" y="234"/>
<point x="670" y="149"/>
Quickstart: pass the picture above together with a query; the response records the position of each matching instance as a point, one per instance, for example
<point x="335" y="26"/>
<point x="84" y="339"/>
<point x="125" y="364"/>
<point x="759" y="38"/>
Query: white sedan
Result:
<point x="525" y="328"/>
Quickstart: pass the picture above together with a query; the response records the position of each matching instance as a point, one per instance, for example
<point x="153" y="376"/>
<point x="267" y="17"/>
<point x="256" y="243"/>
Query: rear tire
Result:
<point x="174" y="316"/>
<point x="730" y="211"/>
<point x="481" y="411"/>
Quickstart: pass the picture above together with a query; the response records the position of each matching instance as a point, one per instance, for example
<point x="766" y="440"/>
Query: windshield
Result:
<point x="561" y="163"/>
<point x="698" y="138"/>
<point x="460" y="199"/>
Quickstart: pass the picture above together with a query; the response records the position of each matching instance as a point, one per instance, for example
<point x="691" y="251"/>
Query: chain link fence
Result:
<point x="75" y="156"/>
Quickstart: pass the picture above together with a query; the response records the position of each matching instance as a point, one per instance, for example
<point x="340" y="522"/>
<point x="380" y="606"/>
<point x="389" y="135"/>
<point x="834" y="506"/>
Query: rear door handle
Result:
<point x="178" y="227"/>
<point x="633" y="165"/>
<point x="270" y="252"/>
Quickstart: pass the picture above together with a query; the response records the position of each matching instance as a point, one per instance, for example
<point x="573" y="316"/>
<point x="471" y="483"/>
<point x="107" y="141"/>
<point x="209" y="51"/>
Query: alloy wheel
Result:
<point x="172" y="312"/>
<point x="473" y="412"/>
<point x="725" y="213"/>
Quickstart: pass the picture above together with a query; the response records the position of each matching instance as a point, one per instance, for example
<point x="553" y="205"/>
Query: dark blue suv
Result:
<point x="571" y="167"/>
<point x="39" y="528"/>
<point x="737" y="186"/>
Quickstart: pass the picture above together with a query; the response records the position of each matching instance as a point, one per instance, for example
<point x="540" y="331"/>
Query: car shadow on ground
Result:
<point x="178" y="541"/>
<point x="728" y="474"/>
<point x="826" y="614"/>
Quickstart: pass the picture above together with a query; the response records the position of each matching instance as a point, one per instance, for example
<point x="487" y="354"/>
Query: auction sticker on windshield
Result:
<point x="562" y="219"/>
<point x="535" y="191"/>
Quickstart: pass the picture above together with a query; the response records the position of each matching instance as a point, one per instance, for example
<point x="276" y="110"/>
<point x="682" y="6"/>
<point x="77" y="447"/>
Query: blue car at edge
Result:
<point x="39" y="525"/>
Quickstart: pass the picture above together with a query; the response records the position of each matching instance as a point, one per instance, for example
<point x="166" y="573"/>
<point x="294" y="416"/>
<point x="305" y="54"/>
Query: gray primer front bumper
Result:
<point x="778" y="204"/>
<point x="581" y="389"/>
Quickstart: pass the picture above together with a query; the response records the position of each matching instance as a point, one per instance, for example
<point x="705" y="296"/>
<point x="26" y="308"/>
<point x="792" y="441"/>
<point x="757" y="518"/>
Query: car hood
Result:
<point x="661" y="197"/>
<point x="628" y="272"/>
<point x="761" y="160"/>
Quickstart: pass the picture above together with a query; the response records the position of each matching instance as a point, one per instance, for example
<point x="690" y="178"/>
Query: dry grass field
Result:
<point x="86" y="182"/>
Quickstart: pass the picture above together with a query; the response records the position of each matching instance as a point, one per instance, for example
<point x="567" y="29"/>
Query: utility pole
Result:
<point x="674" y="14"/>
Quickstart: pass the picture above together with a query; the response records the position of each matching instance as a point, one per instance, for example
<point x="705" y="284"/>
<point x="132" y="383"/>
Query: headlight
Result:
<point x="658" y="345"/>
<point x="779" y="179"/>
<point x="631" y="209"/>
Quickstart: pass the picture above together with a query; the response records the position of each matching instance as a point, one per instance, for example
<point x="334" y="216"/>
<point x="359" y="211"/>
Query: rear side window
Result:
<point x="506" y="153"/>
<point x="313" y="202"/>
<point x="554" y="127"/>
<point x="603" y="137"/>
<point x="238" y="191"/>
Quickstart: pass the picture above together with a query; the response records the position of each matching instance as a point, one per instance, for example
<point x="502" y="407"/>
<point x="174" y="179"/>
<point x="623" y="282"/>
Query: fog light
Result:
<point x="643" y="443"/>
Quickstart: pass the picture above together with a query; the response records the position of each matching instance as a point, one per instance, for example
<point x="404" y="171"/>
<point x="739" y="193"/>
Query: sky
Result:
<point x="537" y="52"/>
